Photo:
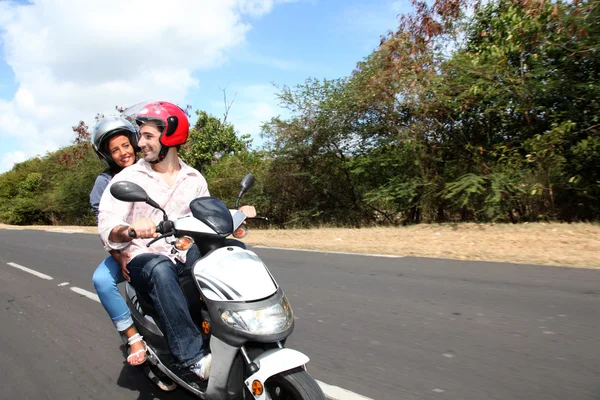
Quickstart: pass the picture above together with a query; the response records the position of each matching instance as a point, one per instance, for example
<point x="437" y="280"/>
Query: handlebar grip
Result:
<point x="259" y="217"/>
<point x="164" y="227"/>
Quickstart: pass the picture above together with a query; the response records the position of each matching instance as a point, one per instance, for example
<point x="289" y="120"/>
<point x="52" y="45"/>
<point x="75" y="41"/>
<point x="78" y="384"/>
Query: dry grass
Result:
<point x="575" y="245"/>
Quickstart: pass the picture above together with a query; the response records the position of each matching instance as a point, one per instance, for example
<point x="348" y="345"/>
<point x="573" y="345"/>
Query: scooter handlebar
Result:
<point x="162" y="228"/>
<point x="165" y="227"/>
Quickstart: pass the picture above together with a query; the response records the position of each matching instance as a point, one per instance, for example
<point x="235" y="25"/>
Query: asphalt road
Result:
<point x="386" y="328"/>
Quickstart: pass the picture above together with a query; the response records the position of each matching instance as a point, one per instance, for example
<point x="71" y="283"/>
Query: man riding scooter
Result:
<point x="128" y="226"/>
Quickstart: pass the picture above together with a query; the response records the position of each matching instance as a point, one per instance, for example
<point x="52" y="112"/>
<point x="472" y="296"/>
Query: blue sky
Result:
<point x="59" y="66"/>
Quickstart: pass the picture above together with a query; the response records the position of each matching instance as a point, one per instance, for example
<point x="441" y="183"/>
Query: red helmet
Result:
<point x="170" y="119"/>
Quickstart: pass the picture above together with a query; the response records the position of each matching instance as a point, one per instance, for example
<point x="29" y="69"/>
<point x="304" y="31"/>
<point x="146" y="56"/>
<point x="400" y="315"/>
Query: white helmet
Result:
<point x="105" y="129"/>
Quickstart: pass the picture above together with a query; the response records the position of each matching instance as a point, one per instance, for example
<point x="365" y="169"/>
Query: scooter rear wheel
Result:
<point x="158" y="378"/>
<point x="296" y="384"/>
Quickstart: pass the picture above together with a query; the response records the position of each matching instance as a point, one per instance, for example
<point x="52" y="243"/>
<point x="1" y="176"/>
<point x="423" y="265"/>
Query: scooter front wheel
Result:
<point x="295" y="384"/>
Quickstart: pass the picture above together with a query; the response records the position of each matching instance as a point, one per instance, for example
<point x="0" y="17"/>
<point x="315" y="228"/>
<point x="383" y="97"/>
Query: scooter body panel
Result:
<point x="273" y="362"/>
<point x="234" y="274"/>
<point x="229" y="278"/>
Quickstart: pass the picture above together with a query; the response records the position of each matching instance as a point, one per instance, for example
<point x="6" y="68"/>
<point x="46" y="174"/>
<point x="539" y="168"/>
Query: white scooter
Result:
<point x="243" y="314"/>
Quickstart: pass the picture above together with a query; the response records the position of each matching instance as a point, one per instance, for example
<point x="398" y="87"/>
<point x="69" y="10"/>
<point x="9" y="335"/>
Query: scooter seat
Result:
<point x="145" y="302"/>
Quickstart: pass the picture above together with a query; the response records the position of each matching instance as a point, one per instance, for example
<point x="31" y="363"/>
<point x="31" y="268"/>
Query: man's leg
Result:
<point x="157" y="275"/>
<point x="192" y="255"/>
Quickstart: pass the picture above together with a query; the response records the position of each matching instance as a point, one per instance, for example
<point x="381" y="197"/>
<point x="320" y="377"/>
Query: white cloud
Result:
<point x="73" y="59"/>
<point x="9" y="159"/>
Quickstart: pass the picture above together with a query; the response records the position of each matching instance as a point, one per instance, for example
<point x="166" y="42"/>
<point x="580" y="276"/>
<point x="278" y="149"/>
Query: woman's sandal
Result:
<point x="134" y="339"/>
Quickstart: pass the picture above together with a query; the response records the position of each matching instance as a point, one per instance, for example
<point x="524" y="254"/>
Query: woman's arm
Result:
<point x="96" y="194"/>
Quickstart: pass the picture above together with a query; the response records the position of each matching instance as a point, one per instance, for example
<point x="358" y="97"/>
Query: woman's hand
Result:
<point x="122" y="258"/>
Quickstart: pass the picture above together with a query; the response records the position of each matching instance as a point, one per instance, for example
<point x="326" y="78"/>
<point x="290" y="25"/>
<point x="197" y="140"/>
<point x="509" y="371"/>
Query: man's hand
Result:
<point x="144" y="228"/>
<point x="121" y="259"/>
<point x="250" y="211"/>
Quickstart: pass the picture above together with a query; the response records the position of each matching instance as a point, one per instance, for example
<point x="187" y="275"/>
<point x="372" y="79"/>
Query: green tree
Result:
<point x="211" y="139"/>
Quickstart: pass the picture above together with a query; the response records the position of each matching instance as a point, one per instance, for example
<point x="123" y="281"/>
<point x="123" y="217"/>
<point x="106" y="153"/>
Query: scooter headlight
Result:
<point x="263" y="321"/>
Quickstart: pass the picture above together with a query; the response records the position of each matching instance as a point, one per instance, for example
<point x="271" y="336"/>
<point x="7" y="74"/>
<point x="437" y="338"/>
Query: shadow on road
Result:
<point x="134" y="379"/>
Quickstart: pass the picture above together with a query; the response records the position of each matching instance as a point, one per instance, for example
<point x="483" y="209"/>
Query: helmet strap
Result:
<point x="161" y="154"/>
<point x="112" y="165"/>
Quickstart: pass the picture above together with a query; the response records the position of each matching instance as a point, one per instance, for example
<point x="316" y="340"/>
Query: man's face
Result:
<point x="149" y="142"/>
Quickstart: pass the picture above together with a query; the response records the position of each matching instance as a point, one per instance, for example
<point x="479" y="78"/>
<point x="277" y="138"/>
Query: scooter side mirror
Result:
<point x="131" y="192"/>
<point x="246" y="184"/>
<point x="128" y="191"/>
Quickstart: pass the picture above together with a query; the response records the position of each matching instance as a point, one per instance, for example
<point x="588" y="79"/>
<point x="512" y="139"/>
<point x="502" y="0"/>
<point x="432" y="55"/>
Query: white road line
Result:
<point x="333" y="392"/>
<point x="31" y="271"/>
<point x="83" y="292"/>
<point x="337" y="393"/>
<point x="64" y="231"/>
<point x="330" y="252"/>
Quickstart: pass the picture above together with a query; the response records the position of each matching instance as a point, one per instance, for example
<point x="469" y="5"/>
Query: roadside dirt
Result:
<point x="572" y="245"/>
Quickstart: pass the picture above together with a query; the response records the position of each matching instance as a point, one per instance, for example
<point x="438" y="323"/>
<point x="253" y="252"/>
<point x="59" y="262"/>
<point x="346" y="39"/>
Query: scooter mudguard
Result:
<point x="272" y="362"/>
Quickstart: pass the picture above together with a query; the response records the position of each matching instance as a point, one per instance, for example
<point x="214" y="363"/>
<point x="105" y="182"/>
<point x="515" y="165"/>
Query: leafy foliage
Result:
<point x="210" y="139"/>
<point x="469" y="111"/>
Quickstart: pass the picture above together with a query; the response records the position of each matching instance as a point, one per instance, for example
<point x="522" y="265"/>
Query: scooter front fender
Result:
<point x="272" y="362"/>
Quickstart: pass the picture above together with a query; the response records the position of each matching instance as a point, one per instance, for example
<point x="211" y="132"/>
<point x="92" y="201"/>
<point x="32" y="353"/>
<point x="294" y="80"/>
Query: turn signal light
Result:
<point x="240" y="232"/>
<point x="184" y="243"/>
<point x="257" y="388"/>
<point x="205" y="327"/>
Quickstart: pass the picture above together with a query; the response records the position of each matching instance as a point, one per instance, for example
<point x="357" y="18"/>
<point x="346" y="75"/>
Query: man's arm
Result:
<point x="202" y="190"/>
<point x="120" y="234"/>
<point x="112" y="221"/>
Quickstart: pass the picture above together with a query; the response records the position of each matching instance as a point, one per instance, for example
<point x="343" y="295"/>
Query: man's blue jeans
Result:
<point x="105" y="279"/>
<point x="159" y="276"/>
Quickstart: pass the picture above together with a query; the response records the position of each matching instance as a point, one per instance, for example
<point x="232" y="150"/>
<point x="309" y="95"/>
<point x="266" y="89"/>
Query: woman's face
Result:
<point x="121" y="151"/>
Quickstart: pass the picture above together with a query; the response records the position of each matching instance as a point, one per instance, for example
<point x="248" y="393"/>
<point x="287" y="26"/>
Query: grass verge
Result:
<point x="572" y="245"/>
